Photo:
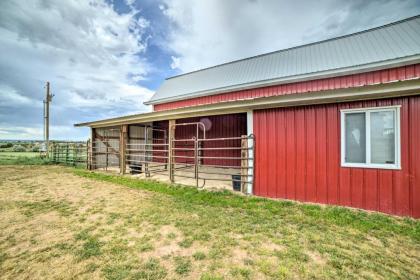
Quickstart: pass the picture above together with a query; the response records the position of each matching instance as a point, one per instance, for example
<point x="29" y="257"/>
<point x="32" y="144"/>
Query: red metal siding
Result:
<point x="298" y="157"/>
<point x="356" y="80"/>
<point x="159" y="151"/>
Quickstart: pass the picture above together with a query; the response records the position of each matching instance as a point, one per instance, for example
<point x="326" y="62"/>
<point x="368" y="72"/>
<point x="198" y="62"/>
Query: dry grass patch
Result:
<point x="118" y="228"/>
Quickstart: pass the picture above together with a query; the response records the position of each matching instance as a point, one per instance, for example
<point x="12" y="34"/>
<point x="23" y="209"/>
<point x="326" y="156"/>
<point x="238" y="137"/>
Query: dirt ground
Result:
<point x="56" y="225"/>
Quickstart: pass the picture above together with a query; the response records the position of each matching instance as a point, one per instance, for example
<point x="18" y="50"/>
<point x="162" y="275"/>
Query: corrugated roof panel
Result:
<point x="383" y="45"/>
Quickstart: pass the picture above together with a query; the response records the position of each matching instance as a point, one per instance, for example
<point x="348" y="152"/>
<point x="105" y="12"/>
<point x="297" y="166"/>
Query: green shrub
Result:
<point x="19" y="148"/>
<point x="6" y="145"/>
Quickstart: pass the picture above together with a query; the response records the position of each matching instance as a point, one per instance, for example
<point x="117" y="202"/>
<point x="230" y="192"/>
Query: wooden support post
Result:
<point x="123" y="145"/>
<point x="106" y="157"/>
<point x="171" y="150"/>
<point x="92" y="148"/>
<point x="146" y="164"/>
<point x="244" y="163"/>
<point x="87" y="154"/>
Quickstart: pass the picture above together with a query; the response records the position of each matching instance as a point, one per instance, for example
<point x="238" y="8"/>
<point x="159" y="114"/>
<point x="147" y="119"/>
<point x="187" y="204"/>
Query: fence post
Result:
<point x="52" y="155"/>
<point x="75" y="150"/>
<point x="55" y="152"/>
<point x="123" y="141"/>
<point x="92" y="148"/>
<point x="106" y="154"/>
<point x="244" y="163"/>
<point x="58" y="152"/>
<point x="196" y="161"/>
<point x="171" y="150"/>
<point x="87" y="155"/>
<point x="67" y="153"/>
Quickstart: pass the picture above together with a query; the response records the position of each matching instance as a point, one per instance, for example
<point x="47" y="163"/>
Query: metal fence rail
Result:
<point x="201" y="171"/>
<point x="147" y="150"/>
<point x="148" y="158"/>
<point x="71" y="153"/>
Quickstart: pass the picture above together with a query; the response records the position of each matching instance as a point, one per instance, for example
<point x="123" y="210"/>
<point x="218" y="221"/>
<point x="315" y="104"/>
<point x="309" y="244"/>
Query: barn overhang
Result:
<point x="378" y="91"/>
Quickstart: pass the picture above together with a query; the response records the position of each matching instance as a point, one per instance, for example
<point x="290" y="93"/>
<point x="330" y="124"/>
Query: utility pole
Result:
<point x="47" y="100"/>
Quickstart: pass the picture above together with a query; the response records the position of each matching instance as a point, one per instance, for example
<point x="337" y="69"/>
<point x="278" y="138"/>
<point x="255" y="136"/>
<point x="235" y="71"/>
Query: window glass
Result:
<point x="382" y="129"/>
<point x="355" y="133"/>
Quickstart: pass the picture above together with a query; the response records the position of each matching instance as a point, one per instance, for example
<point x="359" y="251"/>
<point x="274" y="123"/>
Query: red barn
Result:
<point x="333" y="122"/>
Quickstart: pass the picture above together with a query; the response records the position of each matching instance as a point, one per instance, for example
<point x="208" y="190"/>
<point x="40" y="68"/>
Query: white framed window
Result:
<point x="370" y="137"/>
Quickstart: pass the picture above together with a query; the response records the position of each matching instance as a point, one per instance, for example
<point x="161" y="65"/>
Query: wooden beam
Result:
<point x="91" y="148"/>
<point x="123" y="145"/>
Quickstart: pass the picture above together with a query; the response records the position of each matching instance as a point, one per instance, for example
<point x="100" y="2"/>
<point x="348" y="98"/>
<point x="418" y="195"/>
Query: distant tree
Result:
<point x="6" y="145"/>
<point x="19" y="148"/>
<point x="35" y="148"/>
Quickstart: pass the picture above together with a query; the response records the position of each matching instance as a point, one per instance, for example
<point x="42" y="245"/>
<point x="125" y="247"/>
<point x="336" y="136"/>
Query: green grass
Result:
<point x="34" y="158"/>
<point x="117" y="227"/>
<point x="30" y="209"/>
<point x="22" y="158"/>
<point x="198" y="256"/>
<point x="20" y="154"/>
<point x="316" y="215"/>
<point x="183" y="265"/>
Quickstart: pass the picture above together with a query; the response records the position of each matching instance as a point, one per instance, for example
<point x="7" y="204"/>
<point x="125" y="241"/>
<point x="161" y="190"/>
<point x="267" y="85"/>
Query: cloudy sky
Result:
<point x="104" y="58"/>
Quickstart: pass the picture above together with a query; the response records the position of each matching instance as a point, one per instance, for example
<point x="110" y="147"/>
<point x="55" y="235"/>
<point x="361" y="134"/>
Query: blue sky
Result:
<point x="104" y="58"/>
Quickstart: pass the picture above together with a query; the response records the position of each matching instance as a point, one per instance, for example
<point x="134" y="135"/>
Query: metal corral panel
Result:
<point x="160" y="137"/>
<point x="106" y="147"/>
<point x="298" y="157"/>
<point x="136" y="140"/>
<point x="355" y="80"/>
<point x="221" y="126"/>
<point x="382" y="46"/>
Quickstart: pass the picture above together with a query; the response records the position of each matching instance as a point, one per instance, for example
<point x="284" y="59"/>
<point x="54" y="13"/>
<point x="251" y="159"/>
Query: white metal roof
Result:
<point x="386" y="46"/>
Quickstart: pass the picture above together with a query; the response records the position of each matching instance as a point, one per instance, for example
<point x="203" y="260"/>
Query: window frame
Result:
<point x="369" y="164"/>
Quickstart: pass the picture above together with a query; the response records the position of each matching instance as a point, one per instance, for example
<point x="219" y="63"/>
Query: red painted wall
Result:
<point x="356" y="80"/>
<point x="298" y="157"/>
<point x="222" y="126"/>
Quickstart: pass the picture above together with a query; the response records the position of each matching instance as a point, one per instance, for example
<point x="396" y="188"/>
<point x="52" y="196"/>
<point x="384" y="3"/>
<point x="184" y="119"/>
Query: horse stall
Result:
<point x="208" y="152"/>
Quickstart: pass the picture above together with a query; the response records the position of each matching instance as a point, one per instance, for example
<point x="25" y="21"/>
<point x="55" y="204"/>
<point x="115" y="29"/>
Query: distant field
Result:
<point x="19" y="154"/>
<point x="21" y="158"/>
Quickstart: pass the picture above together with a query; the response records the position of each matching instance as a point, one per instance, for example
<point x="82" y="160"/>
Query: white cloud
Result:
<point x="10" y="97"/>
<point x="21" y="132"/>
<point x="37" y="132"/>
<point x="210" y="32"/>
<point x="176" y="62"/>
<point x="92" y="56"/>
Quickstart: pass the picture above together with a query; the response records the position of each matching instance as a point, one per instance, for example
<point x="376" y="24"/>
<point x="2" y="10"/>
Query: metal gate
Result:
<point x="148" y="155"/>
<point x="104" y="150"/>
<point x="227" y="161"/>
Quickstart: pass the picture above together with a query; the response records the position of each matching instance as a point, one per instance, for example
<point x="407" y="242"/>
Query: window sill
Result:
<point x="372" y="166"/>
